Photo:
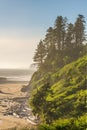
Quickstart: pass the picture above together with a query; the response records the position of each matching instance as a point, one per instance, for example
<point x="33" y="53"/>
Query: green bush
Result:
<point x="66" y="124"/>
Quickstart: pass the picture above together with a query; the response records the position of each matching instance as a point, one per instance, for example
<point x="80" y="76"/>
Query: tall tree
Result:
<point x="40" y="54"/>
<point x="60" y="27"/>
<point x="79" y="30"/>
<point x="49" y="40"/>
<point x="50" y="46"/>
<point x="69" y="41"/>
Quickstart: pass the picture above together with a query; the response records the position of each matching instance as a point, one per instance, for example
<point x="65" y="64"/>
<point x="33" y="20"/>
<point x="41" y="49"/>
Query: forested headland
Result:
<point x="58" y="87"/>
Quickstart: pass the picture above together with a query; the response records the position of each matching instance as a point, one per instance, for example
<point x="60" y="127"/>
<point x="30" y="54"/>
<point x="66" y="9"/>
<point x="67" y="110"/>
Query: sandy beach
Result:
<point x="8" y="92"/>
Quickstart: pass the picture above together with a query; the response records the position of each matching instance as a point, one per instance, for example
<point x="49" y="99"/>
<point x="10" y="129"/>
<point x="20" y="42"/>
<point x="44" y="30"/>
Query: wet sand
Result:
<point x="10" y="91"/>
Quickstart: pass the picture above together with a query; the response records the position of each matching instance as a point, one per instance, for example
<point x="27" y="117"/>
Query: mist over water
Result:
<point x="16" y="75"/>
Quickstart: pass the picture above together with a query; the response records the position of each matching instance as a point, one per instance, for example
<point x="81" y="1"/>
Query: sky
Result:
<point x="23" y="23"/>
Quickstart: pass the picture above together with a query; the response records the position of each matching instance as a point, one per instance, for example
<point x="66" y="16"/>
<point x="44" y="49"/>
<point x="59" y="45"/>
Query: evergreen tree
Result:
<point x="69" y="41"/>
<point x="40" y="54"/>
<point x="60" y="27"/>
<point x="79" y="30"/>
<point x="63" y="42"/>
<point x="50" y="46"/>
<point x="49" y="40"/>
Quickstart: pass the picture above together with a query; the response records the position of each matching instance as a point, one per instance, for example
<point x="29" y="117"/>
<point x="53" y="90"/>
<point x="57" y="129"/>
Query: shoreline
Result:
<point x="5" y="80"/>
<point x="13" y="107"/>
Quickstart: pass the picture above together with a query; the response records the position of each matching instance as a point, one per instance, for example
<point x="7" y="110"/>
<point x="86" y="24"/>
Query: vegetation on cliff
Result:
<point x="59" y="85"/>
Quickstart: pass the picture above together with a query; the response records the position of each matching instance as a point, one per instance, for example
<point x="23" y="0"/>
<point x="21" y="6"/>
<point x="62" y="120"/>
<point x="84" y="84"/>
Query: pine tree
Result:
<point x="60" y="27"/>
<point x="50" y="46"/>
<point x="40" y="54"/>
<point x="69" y="41"/>
<point x="63" y="43"/>
<point x="49" y="40"/>
<point x="79" y="30"/>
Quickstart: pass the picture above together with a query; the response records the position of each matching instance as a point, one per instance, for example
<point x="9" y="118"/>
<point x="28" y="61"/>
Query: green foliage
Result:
<point x="63" y="42"/>
<point x="79" y="30"/>
<point x="66" y="124"/>
<point x="66" y="94"/>
<point x="40" y="54"/>
<point x="61" y="104"/>
<point x="39" y="99"/>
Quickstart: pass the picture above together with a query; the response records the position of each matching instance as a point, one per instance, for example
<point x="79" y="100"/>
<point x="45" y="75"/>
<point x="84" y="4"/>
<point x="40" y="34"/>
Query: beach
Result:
<point x="14" y="111"/>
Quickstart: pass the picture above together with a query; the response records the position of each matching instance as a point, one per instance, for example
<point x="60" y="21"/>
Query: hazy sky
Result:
<point x="24" y="22"/>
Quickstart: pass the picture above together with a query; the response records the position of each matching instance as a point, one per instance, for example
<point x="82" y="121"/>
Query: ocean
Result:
<point x="15" y="75"/>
